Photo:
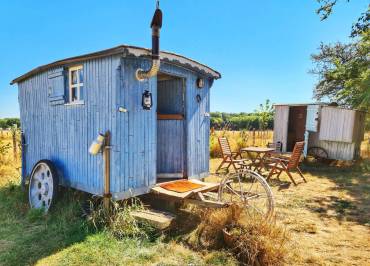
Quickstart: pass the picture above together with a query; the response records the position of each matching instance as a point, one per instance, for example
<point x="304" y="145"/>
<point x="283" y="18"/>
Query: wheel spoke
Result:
<point x="251" y="190"/>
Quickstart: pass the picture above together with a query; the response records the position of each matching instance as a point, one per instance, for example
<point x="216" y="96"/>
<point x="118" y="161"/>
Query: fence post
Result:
<point x="14" y="145"/>
<point x="254" y="137"/>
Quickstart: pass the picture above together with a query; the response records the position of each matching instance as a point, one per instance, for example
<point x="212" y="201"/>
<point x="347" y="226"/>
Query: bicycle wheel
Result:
<point x="250" y="190"/>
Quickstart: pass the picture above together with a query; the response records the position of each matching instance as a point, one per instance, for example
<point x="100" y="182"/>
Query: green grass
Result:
<point x="63" y="237"/>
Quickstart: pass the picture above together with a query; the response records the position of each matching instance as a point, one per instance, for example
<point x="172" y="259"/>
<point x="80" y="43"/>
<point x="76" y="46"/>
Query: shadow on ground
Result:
<point x="354" y="182"/>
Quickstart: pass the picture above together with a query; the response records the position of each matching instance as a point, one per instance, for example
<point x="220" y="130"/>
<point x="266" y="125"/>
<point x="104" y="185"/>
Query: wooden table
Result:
<point x="258" y="160"/>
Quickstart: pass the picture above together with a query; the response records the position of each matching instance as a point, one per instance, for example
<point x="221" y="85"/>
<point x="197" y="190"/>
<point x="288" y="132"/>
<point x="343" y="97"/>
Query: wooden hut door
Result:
<point x="170" y="127"/>
<point x="296" y="125"/>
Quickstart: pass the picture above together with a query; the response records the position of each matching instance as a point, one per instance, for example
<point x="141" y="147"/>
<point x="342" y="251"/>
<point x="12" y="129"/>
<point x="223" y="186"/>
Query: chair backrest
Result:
<point x="225" y="146"/>
<point x="276" y="146"/>
<point x="296" y="155"/>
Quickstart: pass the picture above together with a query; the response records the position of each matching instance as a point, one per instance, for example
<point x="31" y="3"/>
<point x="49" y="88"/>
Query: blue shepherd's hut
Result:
<point x="154" y="124"/>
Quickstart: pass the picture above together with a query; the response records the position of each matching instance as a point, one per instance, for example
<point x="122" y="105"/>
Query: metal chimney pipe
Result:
<point x="156" y="26"/>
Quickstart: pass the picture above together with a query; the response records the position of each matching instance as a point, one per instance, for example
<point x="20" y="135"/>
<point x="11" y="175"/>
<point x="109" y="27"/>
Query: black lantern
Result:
<point x="146" y="100"/>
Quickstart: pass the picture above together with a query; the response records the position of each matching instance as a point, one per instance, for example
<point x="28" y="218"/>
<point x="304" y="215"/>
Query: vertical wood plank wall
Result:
<point x="312" y="119"/>
<point x="337" y="124"/>
<point x="171" y="151"/>
<point x="63" y="133"/>
<point x="170" y="148"/>
<point x="171" y="96"/>
<point x="281" y="120"/>
<point x="197" y="123"/>
<point x="336" y="150"/>
<point x="134" y="167"/>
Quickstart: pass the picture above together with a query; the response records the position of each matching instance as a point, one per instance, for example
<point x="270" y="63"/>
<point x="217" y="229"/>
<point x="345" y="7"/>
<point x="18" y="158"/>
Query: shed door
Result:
<point x="170" y="127"/>
<point x="281" y="119"/>
<point x="296" y="125"/>
<point x="312" y="121"/>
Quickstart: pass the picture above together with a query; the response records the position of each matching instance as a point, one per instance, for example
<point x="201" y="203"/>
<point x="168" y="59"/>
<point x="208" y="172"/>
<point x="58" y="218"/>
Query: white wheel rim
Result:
<point x="41" y="187"/>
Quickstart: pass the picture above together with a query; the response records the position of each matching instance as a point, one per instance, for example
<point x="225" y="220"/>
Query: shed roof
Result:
<point x="299" y="104"/>
<point x="127" y="50"/>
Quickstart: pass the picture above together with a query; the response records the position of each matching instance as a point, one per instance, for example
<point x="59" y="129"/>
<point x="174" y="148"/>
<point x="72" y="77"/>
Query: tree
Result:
<point x="344" y="69"/>
<point x="344" y="73"/>
<point x="265" y="113"/>
<point x="359" y="27"/>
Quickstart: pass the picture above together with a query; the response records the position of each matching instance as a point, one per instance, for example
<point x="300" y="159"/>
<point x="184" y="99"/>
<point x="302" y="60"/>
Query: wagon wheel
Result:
<point x="317" y="153"/>
<point x="249" y="189"/>
<point x="43" y="187"/>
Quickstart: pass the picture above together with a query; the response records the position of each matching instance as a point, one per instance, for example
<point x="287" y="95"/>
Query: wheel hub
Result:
<point x="41" y="187"/>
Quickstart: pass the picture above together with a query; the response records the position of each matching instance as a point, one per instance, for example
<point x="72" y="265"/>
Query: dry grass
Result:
<point x="328" y="218"/>
<point x="9" y="166"/>
<point x="239" y="139"/>
<point x="365" y="146"/>
<point x="252" y="240"/>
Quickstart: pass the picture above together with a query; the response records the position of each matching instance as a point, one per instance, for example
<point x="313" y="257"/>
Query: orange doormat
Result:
<point x="181" y="186"/>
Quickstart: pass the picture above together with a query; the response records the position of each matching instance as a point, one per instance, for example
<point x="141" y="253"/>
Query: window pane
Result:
<point x="74" y="77"/>
<point x="81" y="93"/>
<point x="74" y="94"/>
<point x="81" y="73"/>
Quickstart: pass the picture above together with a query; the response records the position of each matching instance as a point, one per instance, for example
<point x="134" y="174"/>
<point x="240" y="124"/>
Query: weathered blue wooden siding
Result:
<point x="171" y="96"/>
<point x="62" y="133"/>
<point x="134" y="169"/>
<point x="170" y="147"/>
<point x="197" y="122"/>
<point x="171" y="152"/>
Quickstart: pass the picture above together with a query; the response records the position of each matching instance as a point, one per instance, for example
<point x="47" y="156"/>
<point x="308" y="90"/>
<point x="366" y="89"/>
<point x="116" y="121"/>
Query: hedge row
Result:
<point x="240" y="121"/>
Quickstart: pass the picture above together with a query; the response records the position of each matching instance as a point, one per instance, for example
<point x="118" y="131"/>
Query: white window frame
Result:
<point x="77" y="85"/>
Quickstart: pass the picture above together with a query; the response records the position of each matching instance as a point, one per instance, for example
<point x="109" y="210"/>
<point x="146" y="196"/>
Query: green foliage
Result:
<point x="344" y="69"/>
<point x="367" y="123"/>
<point x="6" y="123"/>
<point x="344" y="73"/>
<point x="119" y="221"/>
<point x="358" y="28"/>
<point x="266" y="114"/>
<point x="35" y="215"/>
<point x="63" y="237"/>
<point x="261" y="119"/>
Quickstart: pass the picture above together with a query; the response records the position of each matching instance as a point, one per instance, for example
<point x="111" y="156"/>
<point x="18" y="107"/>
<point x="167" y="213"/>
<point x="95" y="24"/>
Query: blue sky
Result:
<point x="261" y="48"/>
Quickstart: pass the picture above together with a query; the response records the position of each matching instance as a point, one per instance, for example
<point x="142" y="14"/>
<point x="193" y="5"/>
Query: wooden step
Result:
<point x="159" y="219"/>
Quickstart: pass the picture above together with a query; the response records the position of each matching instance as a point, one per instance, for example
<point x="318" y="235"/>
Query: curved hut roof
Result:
<point x="129" y="51"/>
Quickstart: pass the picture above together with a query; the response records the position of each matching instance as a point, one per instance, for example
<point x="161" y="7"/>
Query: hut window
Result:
<point x="76" y="84"/>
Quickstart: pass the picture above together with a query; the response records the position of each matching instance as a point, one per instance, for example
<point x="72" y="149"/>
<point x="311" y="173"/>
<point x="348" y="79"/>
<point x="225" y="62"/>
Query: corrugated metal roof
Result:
<point x="127" y="50"/>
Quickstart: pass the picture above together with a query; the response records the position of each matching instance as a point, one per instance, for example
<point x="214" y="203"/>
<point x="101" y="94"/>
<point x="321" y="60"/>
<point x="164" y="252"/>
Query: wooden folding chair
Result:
<point x="228" y="157"/>
<point x="277" y="146"/>
<point x="280" y="164"/>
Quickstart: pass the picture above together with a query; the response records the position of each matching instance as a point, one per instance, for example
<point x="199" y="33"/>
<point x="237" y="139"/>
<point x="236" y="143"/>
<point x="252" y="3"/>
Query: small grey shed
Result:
<point x="329" y="131"/>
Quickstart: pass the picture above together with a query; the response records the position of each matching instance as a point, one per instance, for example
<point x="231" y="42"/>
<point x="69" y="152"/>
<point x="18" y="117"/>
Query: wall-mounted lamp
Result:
<point x="200" y="83"/>
<point x="122" y="109"/>
<point x="147" y="100"/>
<point x="198" y="98"/>
<point x="96" y="145"/>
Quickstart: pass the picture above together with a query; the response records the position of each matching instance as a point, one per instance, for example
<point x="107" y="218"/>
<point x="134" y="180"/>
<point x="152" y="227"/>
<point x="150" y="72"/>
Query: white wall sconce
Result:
<point x="122" y="110"/>
<point x="96" y="145"/>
